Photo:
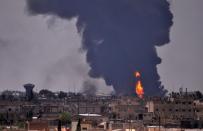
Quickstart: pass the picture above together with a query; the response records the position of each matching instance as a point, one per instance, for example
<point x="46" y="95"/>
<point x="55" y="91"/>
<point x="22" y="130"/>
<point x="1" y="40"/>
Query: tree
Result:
<point x="199" y="95"/>
<point x="21" y="124"/>
<point x="62" y="95"/>
<point x="47" y="93"/>
<point x="78" y="125"/>
<point x="65" y="118"/>
<point x="29" y="115"/>
<point x="2" y="119"/>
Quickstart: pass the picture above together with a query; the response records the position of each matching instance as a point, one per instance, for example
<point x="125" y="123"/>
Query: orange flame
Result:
<point x="137" y="74"/>
<point x="138" y="87"/>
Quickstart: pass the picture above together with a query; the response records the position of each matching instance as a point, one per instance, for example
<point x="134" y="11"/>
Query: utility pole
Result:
<point x="159" y="122"/>
<point x="78" y="104"/>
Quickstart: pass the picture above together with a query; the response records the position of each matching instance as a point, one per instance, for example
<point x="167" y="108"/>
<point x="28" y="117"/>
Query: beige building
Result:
<point x="37" y="126"/>
<point x="91" y="108"/>
<point x="199" y="110"/>
<point x="128" y="108"/>
<point x="172" y="110"/>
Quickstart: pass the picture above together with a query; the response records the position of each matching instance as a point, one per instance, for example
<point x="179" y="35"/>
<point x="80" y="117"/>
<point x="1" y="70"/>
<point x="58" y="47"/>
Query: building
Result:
<point x="199" y="110"/>
<point x="175" y="110"/>
<point x="37" y="125"/>
<point x="127" y="108"/>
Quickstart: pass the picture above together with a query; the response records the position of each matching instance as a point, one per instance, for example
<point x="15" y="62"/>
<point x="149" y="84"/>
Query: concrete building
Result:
<point x="172" y="110"/>
<point x="87" y="107"/>
<point x="37" y="126"/>
<point x="176" y="110"/>
<point x="127" y="108"/>
<point x="199" y="110"/>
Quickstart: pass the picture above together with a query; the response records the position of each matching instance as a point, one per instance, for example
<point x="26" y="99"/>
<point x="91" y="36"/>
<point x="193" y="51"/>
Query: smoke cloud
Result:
<point x="119" y="37"/>
<point x="89" y="88"/>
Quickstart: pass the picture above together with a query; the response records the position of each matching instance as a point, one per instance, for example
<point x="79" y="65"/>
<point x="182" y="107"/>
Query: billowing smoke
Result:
<point x="89" y="88"/>
<point x="119" y="36"/>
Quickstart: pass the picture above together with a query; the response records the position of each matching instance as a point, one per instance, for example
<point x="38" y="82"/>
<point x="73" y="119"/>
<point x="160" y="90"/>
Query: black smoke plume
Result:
<point x="119" y="36"/>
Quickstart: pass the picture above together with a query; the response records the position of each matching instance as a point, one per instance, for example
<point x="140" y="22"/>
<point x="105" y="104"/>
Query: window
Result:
<point x="84" y="128"/>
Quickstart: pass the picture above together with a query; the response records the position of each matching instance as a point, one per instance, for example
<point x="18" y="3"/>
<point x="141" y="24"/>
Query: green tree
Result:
<point x="65" y="118"/>
<point x="2" y="119"/>
<point x="47" y="93"/>
<point x="21" y="124"/>
<point x="62" y="95"/>
<point x="78" y="125"/>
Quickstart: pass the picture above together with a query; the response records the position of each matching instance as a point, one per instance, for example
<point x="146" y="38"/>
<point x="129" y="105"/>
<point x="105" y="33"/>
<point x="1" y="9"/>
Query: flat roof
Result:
<point x="87" y="114"/>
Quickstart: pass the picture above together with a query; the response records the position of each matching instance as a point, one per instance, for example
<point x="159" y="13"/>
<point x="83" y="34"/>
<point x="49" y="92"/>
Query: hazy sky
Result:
<point x="182" y="59"/>
<point x="24" y="56"/>
<point x="40" y="50"/>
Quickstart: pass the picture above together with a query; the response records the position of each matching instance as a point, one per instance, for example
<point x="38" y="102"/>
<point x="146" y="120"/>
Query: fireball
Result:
<point x="138" y="87"/>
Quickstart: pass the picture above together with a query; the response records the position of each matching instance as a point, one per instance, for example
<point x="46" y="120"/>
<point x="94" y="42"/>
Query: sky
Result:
<point x="182" y="59"/>
<point x="25" y="58"/>
<point x="32" y="50"/>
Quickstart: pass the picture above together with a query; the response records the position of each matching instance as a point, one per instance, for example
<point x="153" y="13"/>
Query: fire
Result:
<point x="137" y="74"/>
<point x="138" y="87"/>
